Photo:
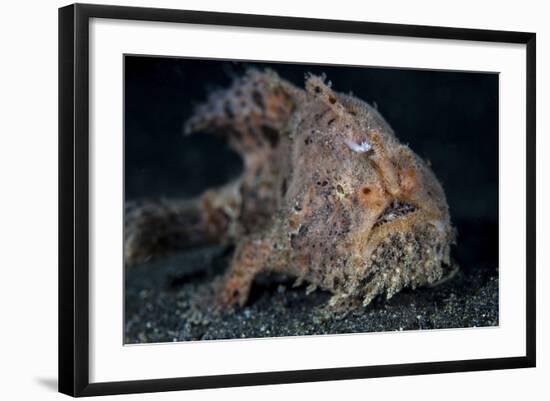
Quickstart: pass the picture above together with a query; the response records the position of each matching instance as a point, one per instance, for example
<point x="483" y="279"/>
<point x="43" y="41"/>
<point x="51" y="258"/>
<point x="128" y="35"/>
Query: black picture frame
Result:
<point x="74" y="198"/>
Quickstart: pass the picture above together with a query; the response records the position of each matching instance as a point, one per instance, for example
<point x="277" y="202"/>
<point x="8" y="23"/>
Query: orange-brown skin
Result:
<point x="328" y="195"/>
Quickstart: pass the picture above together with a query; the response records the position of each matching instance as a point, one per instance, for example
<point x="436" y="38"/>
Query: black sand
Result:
<point x="160" y="294"/>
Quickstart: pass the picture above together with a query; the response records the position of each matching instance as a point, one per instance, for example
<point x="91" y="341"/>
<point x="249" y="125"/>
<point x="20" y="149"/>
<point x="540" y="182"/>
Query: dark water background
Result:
<point x="449" y="118"/>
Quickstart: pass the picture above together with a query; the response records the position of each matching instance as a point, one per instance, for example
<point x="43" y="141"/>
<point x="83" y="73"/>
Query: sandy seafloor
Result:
<point x="160" y="304"/>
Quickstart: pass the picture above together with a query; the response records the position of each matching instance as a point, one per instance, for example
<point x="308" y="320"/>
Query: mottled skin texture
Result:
<point x="328" y="196"/>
